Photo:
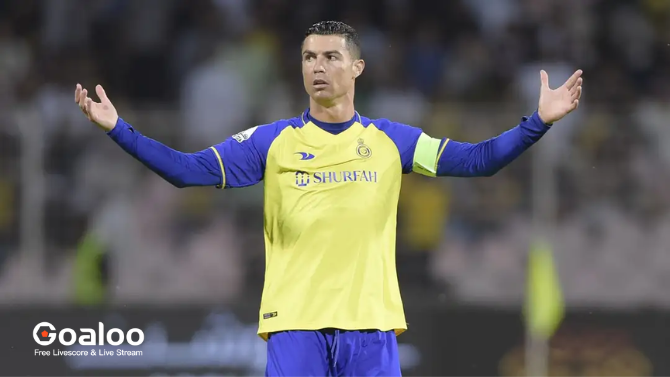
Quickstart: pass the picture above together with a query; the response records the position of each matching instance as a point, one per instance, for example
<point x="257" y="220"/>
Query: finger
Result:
<point x="89" y="105"/>
<point x="577" y="85"/>
<point x="101" y="93"/>
<point x="544" y="79"/>
<point x="575" y="105"/>
<point x="577" y="94"/>
<point x="77" y="92"/>
<point x="573" y="79"/>
<point x="82" y="98"/>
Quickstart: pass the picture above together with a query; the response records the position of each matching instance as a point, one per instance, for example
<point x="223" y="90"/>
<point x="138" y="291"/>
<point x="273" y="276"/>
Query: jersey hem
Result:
<point x="264" y="334"/>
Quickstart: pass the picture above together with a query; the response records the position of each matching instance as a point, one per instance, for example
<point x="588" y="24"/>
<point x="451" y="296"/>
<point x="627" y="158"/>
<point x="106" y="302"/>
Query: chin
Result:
<point x="323" y="95"/>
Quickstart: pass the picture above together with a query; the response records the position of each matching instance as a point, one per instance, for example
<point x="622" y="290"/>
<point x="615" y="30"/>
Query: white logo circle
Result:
<point x="61" y="337"/>
<point x="140" y="337"/>
<point x="52" y="336"/>
<point x="111" y="340"/>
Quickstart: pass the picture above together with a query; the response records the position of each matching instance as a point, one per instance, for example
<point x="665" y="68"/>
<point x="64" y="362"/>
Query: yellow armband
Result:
<point x="426" y="155"/>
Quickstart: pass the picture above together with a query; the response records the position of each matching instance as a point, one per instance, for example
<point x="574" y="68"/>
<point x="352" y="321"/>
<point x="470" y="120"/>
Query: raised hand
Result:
<point x="101" y="113"/>
<point x="557" y="103"/>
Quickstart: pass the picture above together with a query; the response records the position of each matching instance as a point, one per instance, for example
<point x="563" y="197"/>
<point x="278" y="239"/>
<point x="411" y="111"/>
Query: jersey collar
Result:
<point x="333" y="128"/>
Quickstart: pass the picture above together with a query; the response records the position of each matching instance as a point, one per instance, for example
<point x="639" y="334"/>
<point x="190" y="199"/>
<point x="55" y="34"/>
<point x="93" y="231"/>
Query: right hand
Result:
<point x="556" y="103"/>
<point x="101" y="113"/>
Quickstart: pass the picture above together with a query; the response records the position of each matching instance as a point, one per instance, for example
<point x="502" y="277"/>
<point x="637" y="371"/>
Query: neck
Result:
<point x="339" y="111"/>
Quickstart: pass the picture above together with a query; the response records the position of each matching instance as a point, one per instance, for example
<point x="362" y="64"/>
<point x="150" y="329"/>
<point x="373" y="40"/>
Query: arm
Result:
<point x="237" y="162"/>
<point x="180" y="169"/>
<point x="203" y="168"/>
<point x="433" y="157"/>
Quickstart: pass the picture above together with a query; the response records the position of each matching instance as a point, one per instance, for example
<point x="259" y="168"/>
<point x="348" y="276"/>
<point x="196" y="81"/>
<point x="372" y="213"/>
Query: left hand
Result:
<point x="557" y="103"/>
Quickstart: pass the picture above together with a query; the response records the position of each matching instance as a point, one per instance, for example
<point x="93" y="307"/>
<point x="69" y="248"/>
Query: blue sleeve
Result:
<point x="404" y="137"/>
<point x="486" y="158"/>
<point x="244" y="155"/>
<point x="178" y="168"/>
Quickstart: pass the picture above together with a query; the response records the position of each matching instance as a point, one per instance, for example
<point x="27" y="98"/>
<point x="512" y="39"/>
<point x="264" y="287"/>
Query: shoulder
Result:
<point x="263" y="135"/>
<point x="387" y="125"/>
<point x="400" y="133"/>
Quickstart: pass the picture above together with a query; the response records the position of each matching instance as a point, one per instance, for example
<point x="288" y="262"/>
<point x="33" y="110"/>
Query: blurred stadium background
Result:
<point x="87" y="233"/>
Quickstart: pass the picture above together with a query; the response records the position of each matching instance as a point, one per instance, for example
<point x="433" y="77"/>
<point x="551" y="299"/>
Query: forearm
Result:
<point x="178" y="168"/>
<point x="488" y="157"/>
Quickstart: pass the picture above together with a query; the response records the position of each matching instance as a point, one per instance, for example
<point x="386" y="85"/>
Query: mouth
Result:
<point x="319" y="83"/>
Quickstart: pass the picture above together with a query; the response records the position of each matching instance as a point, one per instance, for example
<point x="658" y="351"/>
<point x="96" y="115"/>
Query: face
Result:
<point x="328" y="69"/>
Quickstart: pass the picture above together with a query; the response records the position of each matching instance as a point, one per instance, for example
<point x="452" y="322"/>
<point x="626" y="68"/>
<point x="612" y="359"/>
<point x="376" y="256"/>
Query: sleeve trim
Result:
<point x="439" y="154"/>
<point x="223" y="172"/>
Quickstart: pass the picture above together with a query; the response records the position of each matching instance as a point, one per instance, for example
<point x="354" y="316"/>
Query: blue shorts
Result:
<point x="333" y="353"/>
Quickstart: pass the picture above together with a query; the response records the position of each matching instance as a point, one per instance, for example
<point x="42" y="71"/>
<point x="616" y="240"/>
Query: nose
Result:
<point x="319" y="66"/>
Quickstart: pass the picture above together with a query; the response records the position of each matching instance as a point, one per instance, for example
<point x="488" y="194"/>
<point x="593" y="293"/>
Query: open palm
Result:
<point x="557" y="103"/>
<point x="101" y="113"/>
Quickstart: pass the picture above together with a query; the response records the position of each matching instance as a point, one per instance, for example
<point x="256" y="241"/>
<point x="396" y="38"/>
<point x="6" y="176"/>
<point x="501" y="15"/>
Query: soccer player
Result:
<point x="331" y="304"/>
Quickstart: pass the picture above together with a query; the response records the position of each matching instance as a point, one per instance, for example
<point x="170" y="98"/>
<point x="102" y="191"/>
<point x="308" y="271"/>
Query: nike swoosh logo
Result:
<point x="305" y="155"/>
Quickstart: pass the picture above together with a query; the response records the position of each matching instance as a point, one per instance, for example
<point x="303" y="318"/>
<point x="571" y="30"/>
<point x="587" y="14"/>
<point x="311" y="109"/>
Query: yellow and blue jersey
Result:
<point x="330" y="219"/>
<point x="330" y="206"/>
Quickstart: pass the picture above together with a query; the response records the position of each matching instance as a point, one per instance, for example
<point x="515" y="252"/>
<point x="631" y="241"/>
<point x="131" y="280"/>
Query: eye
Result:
<point x="332" y="57"/>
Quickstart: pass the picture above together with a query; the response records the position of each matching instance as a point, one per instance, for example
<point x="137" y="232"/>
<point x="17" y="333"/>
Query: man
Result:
<point x="331" y="305"/>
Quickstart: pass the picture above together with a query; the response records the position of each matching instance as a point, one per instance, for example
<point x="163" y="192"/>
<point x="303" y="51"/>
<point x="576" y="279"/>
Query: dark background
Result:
<point x="88" y="234"/>
<point x="463" y="341"/>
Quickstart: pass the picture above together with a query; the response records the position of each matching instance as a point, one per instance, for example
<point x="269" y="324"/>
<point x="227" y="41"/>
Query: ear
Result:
<point x="359" y="66"/>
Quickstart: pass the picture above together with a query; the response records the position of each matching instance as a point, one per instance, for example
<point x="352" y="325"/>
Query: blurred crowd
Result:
<point x="191" y="73"/>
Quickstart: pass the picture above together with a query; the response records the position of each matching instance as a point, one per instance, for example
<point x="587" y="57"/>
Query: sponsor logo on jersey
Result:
<point x="303" y="179"/>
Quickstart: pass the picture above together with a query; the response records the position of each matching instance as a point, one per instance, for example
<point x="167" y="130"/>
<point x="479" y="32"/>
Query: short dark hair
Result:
<point x="338" y="28"/>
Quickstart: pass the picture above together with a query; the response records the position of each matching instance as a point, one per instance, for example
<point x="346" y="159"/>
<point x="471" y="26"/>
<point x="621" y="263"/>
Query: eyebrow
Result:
<point x="330" y="52"/>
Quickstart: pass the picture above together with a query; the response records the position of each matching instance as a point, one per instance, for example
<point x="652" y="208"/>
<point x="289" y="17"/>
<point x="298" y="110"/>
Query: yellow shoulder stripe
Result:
<point x="223" y="172"/>
<point x="440" y="154"/>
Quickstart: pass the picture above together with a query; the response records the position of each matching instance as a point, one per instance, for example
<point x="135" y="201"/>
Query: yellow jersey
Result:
<point x="330" y="209"/>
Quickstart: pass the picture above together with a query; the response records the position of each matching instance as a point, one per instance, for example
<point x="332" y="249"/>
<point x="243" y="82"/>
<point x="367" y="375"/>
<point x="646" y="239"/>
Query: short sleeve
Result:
<point x="405" y="138"/>
<point x="242" y="157"/>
